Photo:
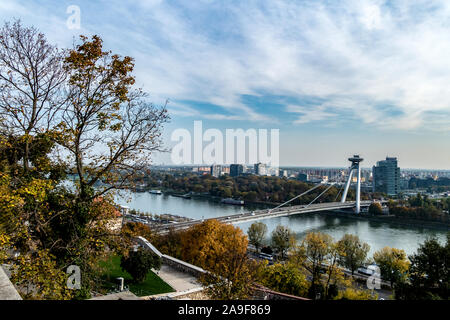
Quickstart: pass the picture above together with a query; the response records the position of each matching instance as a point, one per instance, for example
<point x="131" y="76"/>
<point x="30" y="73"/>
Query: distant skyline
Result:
<point x="338" y="78"/>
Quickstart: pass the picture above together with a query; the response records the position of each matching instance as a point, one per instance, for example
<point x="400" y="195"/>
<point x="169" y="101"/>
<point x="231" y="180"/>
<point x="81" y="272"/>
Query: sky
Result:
<point x="337" y="78"/>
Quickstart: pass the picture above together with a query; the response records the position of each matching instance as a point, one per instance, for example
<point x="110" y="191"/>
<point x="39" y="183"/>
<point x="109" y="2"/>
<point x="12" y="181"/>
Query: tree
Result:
<point x="256" y="234"/>
<point x="82" y="105"/>
<point x="393" y="264"/>
<point x="283" y="239"/>
<point x="31" y="80"/>
<point x="375" y="209"/>
<point x="205" y="244"/>
<point x="354" y="252"/>
<point x="429" y="275"/>
<point x="334" y="275"/>
<point x="319" y="256"/>
<point x="314" y="251"/>
<point x="235" y="281"/>
<point x="220" y="249"/>
<point x="108" y="127"/>
<point x="138" y="263"/>
<point x="286" y="278"/>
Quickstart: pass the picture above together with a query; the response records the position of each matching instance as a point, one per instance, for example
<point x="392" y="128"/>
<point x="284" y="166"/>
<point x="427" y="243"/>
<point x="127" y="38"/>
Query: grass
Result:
<point x="152" y="284"/>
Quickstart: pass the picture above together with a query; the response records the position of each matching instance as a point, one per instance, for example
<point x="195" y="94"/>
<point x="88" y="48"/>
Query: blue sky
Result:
<point x="336" y="77"/>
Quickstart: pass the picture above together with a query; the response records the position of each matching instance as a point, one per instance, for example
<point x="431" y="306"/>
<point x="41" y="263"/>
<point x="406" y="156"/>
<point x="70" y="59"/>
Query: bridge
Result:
<point x="268" y="213"/>
<point x="283" y="210"/>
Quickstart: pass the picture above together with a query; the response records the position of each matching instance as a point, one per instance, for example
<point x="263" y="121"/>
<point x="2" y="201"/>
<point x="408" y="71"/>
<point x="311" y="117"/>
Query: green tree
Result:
<point x="283" y="239"/>
<point x="286" y="278"/>
<point x="393" y="264"/>
<point x="315" y="249"/>
<point x="429" y="272"/>
<point x="354" y="252"/>
<point x="138" y="263"/>
<point x="256" y="234"/>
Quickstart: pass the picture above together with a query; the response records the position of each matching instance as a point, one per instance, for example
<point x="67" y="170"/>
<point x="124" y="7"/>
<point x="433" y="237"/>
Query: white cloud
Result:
<point x="356" y="55"/>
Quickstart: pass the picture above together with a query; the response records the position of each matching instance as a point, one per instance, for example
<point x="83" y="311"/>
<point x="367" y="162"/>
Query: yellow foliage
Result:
<point x="355" y="294"/>
<point x="207" y="243"/>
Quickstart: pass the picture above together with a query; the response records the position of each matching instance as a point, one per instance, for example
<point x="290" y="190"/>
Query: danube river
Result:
<point x="376" y="234"/>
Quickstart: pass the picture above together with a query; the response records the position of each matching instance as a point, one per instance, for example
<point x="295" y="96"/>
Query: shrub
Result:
<point x="138" y="263"/>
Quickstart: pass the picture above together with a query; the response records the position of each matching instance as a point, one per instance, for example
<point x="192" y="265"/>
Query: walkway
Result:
<point x="179" y="281"/>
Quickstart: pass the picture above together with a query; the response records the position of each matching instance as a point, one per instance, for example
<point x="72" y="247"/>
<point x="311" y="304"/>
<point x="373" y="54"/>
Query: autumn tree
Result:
<point x="393" y="264"/>
<point x="108" y="128"/>
<point x="354" y="252"/>
<point x="235" y="281"/>
<point x="256" y="234"/>
<point x="220" y="249"/>
<point x="283" y="239"/>
<point x="334" y="275"/>
<point x="375" y="209"/>
<point x="206" y="243"/>
<point x="311" y="254"/>
<point x="286" y="278"/>
<point x="78" y="103"/>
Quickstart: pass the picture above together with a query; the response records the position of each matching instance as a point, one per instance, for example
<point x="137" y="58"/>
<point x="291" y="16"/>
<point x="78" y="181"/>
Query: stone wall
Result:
<point x="171" y="261"/>
<point x="7" y="289"/>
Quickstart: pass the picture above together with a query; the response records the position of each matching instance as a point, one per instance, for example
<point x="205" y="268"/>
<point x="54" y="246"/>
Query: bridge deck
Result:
<point x="271" y="213"/>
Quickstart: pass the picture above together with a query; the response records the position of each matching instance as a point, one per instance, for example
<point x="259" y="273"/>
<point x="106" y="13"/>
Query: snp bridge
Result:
<point x="270" y="213"/>
<point x="282" y="210"/>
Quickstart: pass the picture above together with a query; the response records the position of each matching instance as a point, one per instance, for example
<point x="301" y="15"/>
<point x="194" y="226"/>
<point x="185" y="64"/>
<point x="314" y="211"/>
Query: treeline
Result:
<point x="422" y="208"/>
<point x="441" y="184"/>
<point x="249" y="187"/>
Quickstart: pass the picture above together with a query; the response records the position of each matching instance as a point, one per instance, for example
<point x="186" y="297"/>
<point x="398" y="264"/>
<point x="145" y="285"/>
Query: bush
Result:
<point x="138" y="263"/>
<point x="375" y="209"/>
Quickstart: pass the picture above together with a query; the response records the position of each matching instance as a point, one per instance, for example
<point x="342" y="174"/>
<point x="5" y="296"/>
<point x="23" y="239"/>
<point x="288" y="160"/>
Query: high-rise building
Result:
<point x="236" y="170"/>
<point x="260" y="169"/>
<point x="216" y="170"/>
<point x="386" y="176"/>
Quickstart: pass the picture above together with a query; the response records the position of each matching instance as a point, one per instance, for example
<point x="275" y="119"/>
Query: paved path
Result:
<point x="179" y="281"/>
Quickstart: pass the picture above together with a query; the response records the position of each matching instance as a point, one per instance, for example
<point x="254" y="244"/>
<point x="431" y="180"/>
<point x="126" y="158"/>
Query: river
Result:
<point x="376" y="234"/>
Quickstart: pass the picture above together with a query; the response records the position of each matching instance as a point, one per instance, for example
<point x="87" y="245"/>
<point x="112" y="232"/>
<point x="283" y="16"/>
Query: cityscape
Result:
<point x="224" y="159"/>
<point x="385" y="176"/>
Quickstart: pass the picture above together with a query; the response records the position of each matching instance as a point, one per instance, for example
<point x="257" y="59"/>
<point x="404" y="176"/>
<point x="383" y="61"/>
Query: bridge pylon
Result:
<point x="356" y="159"/>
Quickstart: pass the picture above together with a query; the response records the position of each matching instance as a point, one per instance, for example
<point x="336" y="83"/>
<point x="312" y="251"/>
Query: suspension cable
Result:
<point x="319" y="195"/>
<point x="339" y="192"/>
<point x="315" y="187"/>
